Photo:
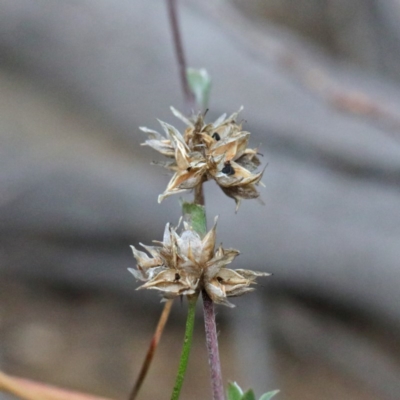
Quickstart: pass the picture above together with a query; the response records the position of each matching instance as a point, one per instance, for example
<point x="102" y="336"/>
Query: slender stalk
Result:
<point x="187" y="344"/>
<point x="151" y="350"/>
<point x="212" y="347"/>
<point x="208" y="305"/>
<point x="191" y="212"/>
<point x="195" y="215"/>
<point x="190" y="105"/>
<point x="180" y="54"/>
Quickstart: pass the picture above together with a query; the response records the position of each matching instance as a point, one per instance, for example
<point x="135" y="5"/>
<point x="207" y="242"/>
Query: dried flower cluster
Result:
<point x="185" y="264"/>
<point x="208" y="151"/>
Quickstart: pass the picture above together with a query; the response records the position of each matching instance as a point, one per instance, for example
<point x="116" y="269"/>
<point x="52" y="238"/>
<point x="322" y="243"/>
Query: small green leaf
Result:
<point x="194" y="215"/>
<point x="269" y="395"/>
<point x="200" y="85"/>
<point x="249" y="395"/>
<point x="234" y="391"/>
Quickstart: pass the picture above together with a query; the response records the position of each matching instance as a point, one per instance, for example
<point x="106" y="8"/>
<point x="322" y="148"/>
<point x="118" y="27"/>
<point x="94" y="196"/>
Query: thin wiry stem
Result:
<point x="187" y="344"/>
<point x="208" y="305"/>
<point x="151" y="350"/>
<point x="212" y="347"/>
<point x="190" y="103"/>
<point x="180" y="55"/>
<point x="209" y="322"/>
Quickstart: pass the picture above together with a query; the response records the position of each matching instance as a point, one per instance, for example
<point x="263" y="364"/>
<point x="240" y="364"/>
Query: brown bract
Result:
<point x="185" y="264"/>
<point x="208" y="151"/>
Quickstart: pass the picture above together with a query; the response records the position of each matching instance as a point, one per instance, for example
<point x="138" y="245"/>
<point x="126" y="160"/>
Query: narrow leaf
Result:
<point x="269" y="395"/>
<point x="194" y="215"/>
<point x="200" y="85"/>
<point x="249" y="395"/>
<point x="234" y="391"/>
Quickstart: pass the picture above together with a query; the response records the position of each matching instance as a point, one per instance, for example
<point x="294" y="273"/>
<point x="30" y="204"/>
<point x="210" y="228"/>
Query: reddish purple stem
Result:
<point x="180" y="55"/>
<point x="212" y="347"/>
<point x="208" y="305"/>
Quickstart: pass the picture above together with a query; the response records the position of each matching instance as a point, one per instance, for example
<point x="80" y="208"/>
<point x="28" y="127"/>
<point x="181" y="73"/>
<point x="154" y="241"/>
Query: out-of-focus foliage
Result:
<point x="235" y="392"/>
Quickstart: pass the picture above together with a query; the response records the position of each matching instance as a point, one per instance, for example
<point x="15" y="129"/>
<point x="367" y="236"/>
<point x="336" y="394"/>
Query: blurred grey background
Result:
<point x="319" y="81"/>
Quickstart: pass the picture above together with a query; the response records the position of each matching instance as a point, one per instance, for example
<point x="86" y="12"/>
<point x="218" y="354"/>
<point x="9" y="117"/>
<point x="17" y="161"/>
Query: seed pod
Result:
<point x="215" y="151"/>
<point x="184" y="264"/>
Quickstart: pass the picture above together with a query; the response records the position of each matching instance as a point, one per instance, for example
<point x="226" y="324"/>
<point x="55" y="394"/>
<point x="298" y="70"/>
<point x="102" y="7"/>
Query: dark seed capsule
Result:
<point x="177" y="277"/>
<point x="228" y="169"/>
<point x="216" y="136"/>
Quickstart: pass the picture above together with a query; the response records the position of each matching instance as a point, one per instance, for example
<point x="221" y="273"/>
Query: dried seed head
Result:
<point x="208" y="151"/>
<point x="185" y="264"/>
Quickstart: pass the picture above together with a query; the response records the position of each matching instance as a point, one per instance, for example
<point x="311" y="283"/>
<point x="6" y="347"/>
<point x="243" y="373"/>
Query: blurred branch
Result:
<point x="307" y="70"/>
<point x="343" y="99"/>
<point x="31" y="390"/>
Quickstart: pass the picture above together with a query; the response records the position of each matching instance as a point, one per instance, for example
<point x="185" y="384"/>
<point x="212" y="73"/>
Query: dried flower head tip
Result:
<point x="185" y="264"/>
<point x="215" y="151"/>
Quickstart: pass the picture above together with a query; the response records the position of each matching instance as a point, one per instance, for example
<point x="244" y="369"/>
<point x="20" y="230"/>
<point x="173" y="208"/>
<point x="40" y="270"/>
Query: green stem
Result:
<point x="187" y="344"/>
<point x="194" y="215"/>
